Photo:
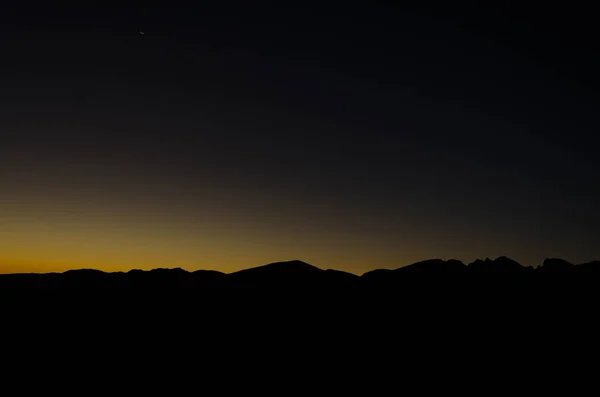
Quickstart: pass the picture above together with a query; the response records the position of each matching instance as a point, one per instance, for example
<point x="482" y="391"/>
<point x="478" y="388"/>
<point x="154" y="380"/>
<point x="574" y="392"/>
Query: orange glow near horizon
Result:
<point x="70" y="227"/>
<point x="135" y="231"/>
<point x="41" y="242"/>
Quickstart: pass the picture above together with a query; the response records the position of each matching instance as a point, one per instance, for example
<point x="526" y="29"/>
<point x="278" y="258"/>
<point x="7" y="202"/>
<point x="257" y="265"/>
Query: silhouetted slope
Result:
<point x="435" y="266"/>
<point x="431" y="266"/>
<point x="85" y="278"/>
<point x="434" y="270"/>
<point x="589" y="267"/>
<point x="340" y="276"/>
<point x="209" y="277"/>
<point x="280" y="268"/>
<point x="159" y="277"/>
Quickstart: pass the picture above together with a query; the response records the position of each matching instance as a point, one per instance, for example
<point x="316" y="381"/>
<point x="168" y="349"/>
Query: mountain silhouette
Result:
<point x="291" y="273"/>
<point x="589" y="267"/>
<point x="435" y="266"/>
<point x="297" y="274"/>
<point x="556" y="265"/>
<point x="289" y="267"/>
<point x="501" y="264"/>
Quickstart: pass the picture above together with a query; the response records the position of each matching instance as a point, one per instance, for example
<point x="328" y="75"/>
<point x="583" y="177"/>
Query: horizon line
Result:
<point x="295" y="260"/>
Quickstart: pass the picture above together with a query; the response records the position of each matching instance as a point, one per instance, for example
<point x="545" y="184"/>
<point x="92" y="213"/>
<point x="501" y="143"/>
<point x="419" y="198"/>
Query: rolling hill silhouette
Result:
<point x="295" y="274"/>
<point x="292" y="273"/>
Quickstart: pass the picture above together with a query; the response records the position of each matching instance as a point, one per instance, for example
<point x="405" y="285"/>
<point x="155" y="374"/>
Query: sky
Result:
<point x="228" y="136"/>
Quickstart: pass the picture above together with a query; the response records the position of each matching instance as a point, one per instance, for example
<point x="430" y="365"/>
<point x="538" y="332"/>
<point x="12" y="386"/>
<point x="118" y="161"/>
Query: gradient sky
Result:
<point x="351" y="138"/>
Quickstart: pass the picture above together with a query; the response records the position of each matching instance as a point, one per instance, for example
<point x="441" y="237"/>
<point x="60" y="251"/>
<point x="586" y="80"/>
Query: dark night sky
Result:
<point x="352" y="138"/>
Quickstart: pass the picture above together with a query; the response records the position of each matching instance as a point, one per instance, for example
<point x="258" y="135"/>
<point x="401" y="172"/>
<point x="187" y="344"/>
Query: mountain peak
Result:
<point x="500" y="264"/>
<point x="293" y="266"/>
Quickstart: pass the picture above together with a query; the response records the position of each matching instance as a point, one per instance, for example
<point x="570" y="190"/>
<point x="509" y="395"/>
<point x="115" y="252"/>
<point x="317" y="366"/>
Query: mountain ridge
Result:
<point x="296" y="265"/>
<point x="293" y="273"/>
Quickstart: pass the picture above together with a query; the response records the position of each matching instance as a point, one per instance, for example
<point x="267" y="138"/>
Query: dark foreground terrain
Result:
<point x="424" y="287"/>
<point x="485" y="320"/>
